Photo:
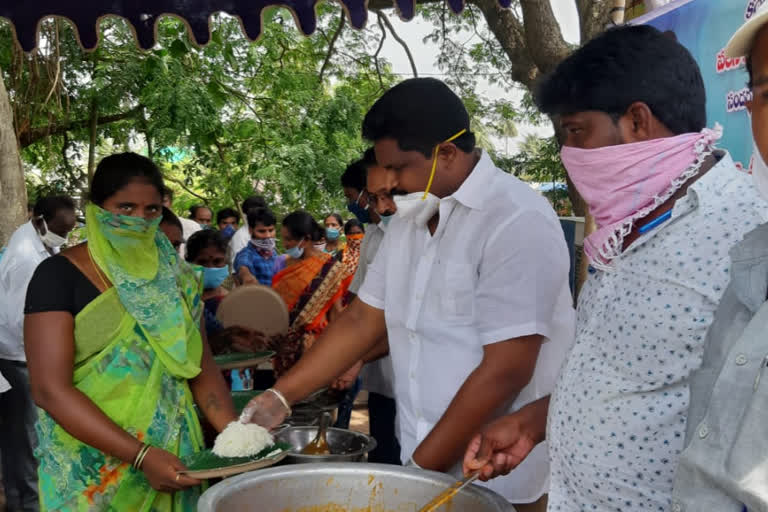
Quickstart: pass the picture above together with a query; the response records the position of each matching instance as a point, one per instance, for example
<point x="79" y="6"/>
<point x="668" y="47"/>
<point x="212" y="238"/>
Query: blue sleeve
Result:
<point x="243" y="259"/>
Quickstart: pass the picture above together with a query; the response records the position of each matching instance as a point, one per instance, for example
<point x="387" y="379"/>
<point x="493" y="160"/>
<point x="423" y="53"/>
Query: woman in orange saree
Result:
<point x="310" y="285"/>
<point x="354" y="231"/>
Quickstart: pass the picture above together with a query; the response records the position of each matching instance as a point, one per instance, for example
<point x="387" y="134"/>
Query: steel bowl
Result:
<point x="374" y="487"/>
<point x="345" y="445"/>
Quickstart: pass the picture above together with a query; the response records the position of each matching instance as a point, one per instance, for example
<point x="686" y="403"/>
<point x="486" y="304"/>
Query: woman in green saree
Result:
<point x="117" y="358"/>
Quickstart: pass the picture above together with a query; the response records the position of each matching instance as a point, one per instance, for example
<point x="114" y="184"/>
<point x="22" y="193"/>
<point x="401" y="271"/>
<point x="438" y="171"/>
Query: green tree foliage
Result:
<point x="280" y="116"/>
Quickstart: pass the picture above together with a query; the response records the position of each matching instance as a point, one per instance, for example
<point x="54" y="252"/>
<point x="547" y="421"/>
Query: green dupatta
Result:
<point x="138" y="380"/>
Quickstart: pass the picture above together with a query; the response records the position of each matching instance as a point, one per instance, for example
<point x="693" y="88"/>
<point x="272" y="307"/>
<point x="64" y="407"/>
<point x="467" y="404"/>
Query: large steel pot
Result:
<point x="345" y="445"/>
<point x="350" y="487"/>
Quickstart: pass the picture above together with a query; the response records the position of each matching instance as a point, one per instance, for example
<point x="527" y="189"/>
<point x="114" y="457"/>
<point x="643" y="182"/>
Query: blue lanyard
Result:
<point x="655" y="222"/>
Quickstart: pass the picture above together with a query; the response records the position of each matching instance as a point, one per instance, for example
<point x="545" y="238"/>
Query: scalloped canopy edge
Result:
<point x="143" y="16"/>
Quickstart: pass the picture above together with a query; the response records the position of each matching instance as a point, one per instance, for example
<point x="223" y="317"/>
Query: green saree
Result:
<point x="137" y="377"/>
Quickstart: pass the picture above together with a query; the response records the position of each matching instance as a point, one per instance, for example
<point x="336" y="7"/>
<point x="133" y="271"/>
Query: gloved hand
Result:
<point x="267" y="409"/>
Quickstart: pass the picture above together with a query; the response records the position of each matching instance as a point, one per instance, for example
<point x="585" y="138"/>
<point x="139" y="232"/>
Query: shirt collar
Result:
<point x="476" y="187"/>
<point x="749" y="272"/>
<point x="30" y="233"/>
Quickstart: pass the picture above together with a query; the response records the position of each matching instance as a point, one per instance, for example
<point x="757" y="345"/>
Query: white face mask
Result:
<point x="760" y="173"/>
<point x="51" y="239"/>
<point x="414" y="208"/>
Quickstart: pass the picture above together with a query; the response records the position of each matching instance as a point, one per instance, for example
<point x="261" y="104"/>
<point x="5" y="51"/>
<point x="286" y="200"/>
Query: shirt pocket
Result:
<point x="457" y="293"/>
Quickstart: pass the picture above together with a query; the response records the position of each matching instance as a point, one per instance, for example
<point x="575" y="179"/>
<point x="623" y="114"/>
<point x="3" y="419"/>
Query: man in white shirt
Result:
<point x="470" y="284"/>
<point x="41" y="237"/>
<point x="365" y="180"/>
<point x="242" y="236"/>
<point x="668" y="207"/>
<point x="200" y="218"/>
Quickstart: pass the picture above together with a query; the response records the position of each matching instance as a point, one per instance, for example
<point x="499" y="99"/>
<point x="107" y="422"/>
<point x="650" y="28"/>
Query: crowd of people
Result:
<point x="447" y="295"/>
<point x="124" y="304"/>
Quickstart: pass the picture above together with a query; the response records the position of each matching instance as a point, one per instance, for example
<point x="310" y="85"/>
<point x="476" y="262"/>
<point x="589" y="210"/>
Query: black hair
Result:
<point x="226" y="213"/>
<point x="749" y="71"/>
<point x="626" y="65"/>
<point x="169" y="193"/>
<point x="353" y="223"/>
<point x="253" y="202"/>
<point x="48" y="207"/>
<point x="356" y="173"/>
<point x="301" y="225"/>
<point x="170" y="218"/>
<point x="419" y="114"/>
<point x="194" y="209"/>
<point x="336" y="216"/>
<point x="116" y="171"/>
<point x="203" y="239"/>
<point x="263" y="216"/>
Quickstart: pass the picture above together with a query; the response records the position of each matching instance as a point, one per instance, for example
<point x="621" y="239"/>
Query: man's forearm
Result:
<point x="492" y="385"/>
<point x="343" y="344"/>
<point x="379" y="350"/>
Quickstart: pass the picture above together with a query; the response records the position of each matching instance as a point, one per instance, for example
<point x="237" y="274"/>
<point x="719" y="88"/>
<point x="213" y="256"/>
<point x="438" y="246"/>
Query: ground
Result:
<point x="359" y="421"/>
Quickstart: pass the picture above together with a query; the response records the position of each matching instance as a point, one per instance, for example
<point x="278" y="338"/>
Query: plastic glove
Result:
<point x="266" y="410"/>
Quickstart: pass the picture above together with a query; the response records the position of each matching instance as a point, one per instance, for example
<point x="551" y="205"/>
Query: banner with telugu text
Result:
<point x="705" y="27"/>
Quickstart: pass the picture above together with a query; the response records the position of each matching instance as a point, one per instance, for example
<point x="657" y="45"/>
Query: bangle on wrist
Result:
<point x="282" y="399"/>
<point x="141" y="455"/>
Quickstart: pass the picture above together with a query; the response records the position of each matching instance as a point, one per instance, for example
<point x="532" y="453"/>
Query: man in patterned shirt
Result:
<point x="668" y="207"/>
<point x="258" y="262"/>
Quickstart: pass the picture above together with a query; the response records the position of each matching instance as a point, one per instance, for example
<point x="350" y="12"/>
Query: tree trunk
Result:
<point x="13" y="190"/>
<point x="93" y="129"/>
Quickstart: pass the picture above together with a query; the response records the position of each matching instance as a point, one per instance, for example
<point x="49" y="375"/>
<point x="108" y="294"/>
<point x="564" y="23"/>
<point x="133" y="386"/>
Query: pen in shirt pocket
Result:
<point x="763" y="364"/>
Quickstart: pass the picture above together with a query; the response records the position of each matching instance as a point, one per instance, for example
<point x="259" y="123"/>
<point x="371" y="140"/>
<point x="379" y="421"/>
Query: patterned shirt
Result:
<point x="617" y="418"/>
<point x="263" y="269"/>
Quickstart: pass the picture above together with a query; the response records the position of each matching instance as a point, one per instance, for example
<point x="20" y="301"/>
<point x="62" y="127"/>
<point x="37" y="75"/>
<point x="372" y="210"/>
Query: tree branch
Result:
<point x="378" y="50"/>
<point x="186" y="188"/>
<point x="32" y="135"/>
<point x="510" y="33"/>
<point x="543" y="37"/>
<point x="594" y="17"/>
<point x="331" y="45"/>
<point x="383" y="16"/>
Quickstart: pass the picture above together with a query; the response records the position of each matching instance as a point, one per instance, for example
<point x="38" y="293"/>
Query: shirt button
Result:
<point x="741" y="359"/>
<point x="703" y="430"/>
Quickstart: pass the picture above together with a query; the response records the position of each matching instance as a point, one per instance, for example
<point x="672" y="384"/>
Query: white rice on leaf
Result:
<point x="242" y="440"/>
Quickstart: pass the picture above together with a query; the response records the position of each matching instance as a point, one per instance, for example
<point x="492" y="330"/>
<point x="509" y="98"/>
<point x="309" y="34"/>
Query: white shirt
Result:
<point x="4" y="385"/>
<point x="496" y="268"/>
<point x="617" y="419"/>
<point x="239" y="241"/>
<point x="188" y="228"/>
<point x="23" y="254"/>
<point x="378" y="375"/>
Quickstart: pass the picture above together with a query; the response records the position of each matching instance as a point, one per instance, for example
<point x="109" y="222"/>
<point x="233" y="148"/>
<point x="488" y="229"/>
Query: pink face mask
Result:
<point x="626" y="182"/>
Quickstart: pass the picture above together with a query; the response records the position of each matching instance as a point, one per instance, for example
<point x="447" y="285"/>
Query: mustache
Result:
<point x="399" y="192"/>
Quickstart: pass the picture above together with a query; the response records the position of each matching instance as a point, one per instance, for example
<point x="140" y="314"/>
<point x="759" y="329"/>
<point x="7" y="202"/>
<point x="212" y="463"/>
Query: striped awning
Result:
<point x="25" y="15"/>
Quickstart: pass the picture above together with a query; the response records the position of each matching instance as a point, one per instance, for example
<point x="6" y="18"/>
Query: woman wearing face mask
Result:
<point x="208" y="250"/>
<point x="117" y="357"/>
<point x="333" y="230"/>
<point x="310" y="285"/>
